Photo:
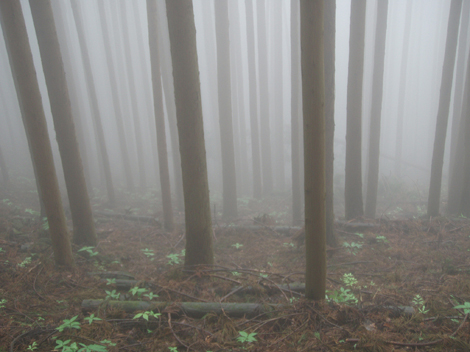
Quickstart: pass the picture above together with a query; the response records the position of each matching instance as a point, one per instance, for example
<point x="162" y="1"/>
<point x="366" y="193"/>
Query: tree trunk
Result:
<point x="94" y="103"/>
<point x="253" y="96"/>
<point x="313" y="98"/>
<point x="29" y="96"/>
<point x="329" y="47"/>
<point x="225" y="110"/>
<point x="465" y="197"/>
<point x="116" y="99"/>
<point x="191" y="132"/>
<point x="443" y="111"/>
<point x="51" y="58"/>
<point x="4" y="170"/>
<point x="353" y="187"/>
<point x="159" y="116"/>
<point x="296" y="102"/>
<point x="376" y="109"/>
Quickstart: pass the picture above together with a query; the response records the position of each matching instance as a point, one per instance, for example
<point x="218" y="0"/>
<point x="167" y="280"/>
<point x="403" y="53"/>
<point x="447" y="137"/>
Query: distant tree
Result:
<point x="376" y="109"/>
<point x="266" y="158"/>
<point x="465" y="197"/>
<point x="34" y="120"/>
<point x="296" y="102"/>
<point x="225" y="110"/>
<point x="329" y="47"/>
<point x="313" y="98"/>
<point x="443" y="111"/>
<point x="53" y="67"/>
<point x="353" y="186"/>
<point x="198" y="222"/>
<point x="159" y="116"/>
<point x="91" y="91"/>
<point x="126" y="163"/>
<point x="4" y="170"/>
<point x="253" y="96"/>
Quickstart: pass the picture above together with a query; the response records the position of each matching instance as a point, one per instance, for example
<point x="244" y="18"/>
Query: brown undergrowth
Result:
<point x="392" y="286"/>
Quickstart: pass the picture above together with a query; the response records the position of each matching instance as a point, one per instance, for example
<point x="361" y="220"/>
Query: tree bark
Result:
<point x="51" y="58"/>
<point x="4" y="170"/>
<point x="182" y="31"/>
<point x="353" y="186"/>
<point x="34" y="120"/>
<point x="376" y="109"/>
<point x="443" y="111"/>
<point x="313" y="98"/>
<point x="159" y="116"/>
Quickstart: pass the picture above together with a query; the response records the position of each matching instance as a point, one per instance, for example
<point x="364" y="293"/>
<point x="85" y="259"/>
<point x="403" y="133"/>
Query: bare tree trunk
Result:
<point x="115" y="96"/>
<point x="225" y="110"/>
<point x="376" y="109"/>
<point x="182" y="31"/>
<point x="159" y="116"/>
<point x="313" y="98"/>
<point x="80" y="208"/>
<point x="329" y="47"/>
<point x="4" y="170"/>
<point x="94" y="103"/>
<point x="29" y="96"/>
<point x="443" y="112"/>
<point x="353" y="187"/>
<point x="296" y="102"/>
<point x="255" y="144"/>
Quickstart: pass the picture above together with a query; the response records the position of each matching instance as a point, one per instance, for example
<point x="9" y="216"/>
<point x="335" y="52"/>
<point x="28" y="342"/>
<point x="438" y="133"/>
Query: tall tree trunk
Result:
<point x="266" y="160"/>
<point x="253" y="96"/>
<point x="443" y="111"/>
<point x="116" y="99"/>
<point x="402" y="91"/>
<point x="4" y="170"/>
<point x="353" y="187"/>
<point x="94" y="104"/>
<point x="296" y="102"/>
<point x="329" y="47"/>
<point x="136" y="116"/>
<point x="182" y="31"/>
<point x="376" y="109"/>
<point x="313" y="98"/>
<point x="29" y="96"/>
<point x="80" y="208"/>
<point x="159" y="115"/>
<point x="225" y="110"/>
<point x="465" y="197"/>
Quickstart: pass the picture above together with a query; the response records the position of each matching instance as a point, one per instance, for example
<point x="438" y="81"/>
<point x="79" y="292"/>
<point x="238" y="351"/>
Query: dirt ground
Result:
<point x="396" y="284"/>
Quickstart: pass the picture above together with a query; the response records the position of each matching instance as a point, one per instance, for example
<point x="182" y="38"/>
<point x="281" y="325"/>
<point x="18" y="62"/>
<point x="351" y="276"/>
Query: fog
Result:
<point x="412" y="81"/>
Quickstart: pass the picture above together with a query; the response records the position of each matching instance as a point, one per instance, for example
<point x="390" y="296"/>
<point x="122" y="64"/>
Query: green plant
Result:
<point x="235" y="273"/>
<point x="3" y="301"/>
<point x="418" y="301"/>
<point x="91" y="318"/>
<point x="361" y="235"/>
<point x="342" y="296"/>
<point x="173" y="349"/>
<point x="74" y="347"/>
<point x="69" y="324"/>
<point x="33" y="346"/>
<point x="146" y="315"/>
<point x="288" y="244"/>
<point x="150" y="295"/>
<point x="237" y="245"/>
<point x="137" y="290"/>
<point x="264" y="276"/>
<point x="32" y="212"/>
<point x="349" y="280"/>
<point x="174" y="258"/>
<point x="352" y="247"/>
<point x="293" y="300"/>
<point x="465" y="307"/>
<point x="89" y="250"/>
<point x="45" y="224"/>
<point x="110" y="343"/>
<point x="246" y="337"/>
<point x="381" y="239"/>
<point x="25" y="262"/>
<point x="2" y="250"/>
<point x="110" y="281"/>
<point x="112" y="294"/>
<point x="148" y="253"/>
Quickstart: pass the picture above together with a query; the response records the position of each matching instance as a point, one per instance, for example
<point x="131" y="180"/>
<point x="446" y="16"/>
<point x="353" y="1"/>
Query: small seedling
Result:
<point x="349" y="280"/>
<point x="288" y="244"/>
<point x="293" y="300"/>
<point x="317" y="335"/>
<point x="264" y="276"/>
<point x="32" y="212"/>
<point x="150" y="295"/>
<point x="89" y="250"/>
<point x="174" y="258"/>
<point x="25" y="262"/>
<point x="2" y="303"/>
<point x="237" y="245"/>
<point x="92" y="318"/>
<point x="342" y="296"/>
<point x="352" y="247"/>
<point x="361" y="235"/>
<point x="33" y="346"/>
<point x="69" y="324"/>
<point x="235" y="273"/>
<point x="465" y="307"/>
<point x="148" y="253"/>
<point x="110" y="281"/>
<point x="45" y="224"/>
<point x="246" y="337"/>
<point x="112" y="294"/>
<point x="418" y="301"/>
<point x="381" y="239"/>
<point x="137" y="290"/>
<point x="173" y="349"/>
<point x="110" y="343"/>
<point x="146" y="315"/>
<point x="2" y="250"/>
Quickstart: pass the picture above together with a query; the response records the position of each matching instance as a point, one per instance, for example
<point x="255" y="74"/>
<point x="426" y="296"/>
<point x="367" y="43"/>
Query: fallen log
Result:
<point x="139" y="218"/>
<point x="191" y="309"/>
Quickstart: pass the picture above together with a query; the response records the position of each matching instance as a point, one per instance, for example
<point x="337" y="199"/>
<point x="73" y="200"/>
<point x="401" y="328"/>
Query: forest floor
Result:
<point x="393" y="284"/>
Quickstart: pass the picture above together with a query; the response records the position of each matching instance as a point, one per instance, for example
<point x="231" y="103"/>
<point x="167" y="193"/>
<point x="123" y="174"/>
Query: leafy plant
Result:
<point x="381" y="239"/>
<point x="173" y="349"/>
<point x="148" y="253"/>
<point x="146" y="315"/>
<point x="45" y="224"/>
<point x="465" y="307"/>
<point x="137" y="290"/>
<point x="33" y="346"/>
<point x="352" y="247"/>
<point x="89" y="250"/>
<point x="361" y="235"/>
<point x="237" y="245"/>
<point x="32" y="212"/>
<point x="25" y="262"/>
<point x="91" y="318"/>
<point x="112" y="294"/>
<point x="342" y="296"/>
<point x="69" y="324"/>
<point x="110" y="343"/>
<point x="3" y="301"/>
<point x="349" y="280"/>
<point x="150" y="295"/>
<point x="246" y="337"/>
<point x="110" y="281"/>
<point x="2" y="250"/>
<point x="235" y="273"/>
<point x="174" y="258"/>
<point x="418" y="301"/>
<point x="264" y="276"/>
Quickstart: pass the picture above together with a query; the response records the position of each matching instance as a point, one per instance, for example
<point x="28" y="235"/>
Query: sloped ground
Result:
<point x="420" y="266"/>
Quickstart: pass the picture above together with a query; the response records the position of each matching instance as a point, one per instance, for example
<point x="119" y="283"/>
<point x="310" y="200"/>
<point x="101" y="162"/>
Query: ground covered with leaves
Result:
<point x="394" y="284"/>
